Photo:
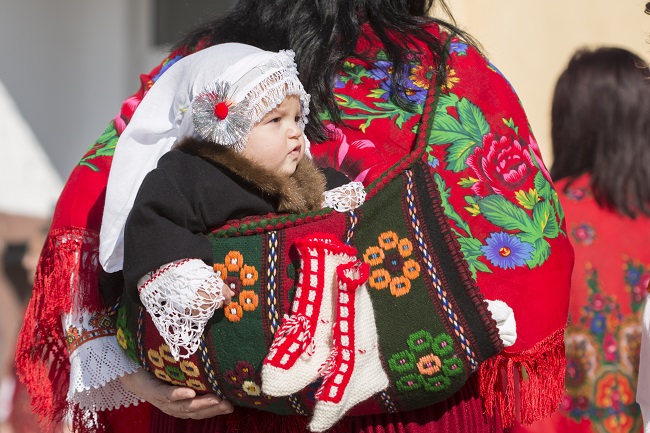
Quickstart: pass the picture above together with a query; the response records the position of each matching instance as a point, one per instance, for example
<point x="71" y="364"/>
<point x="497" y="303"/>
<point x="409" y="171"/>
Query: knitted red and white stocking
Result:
<point x="304" y="340"/>
<point x="354" y="372"/>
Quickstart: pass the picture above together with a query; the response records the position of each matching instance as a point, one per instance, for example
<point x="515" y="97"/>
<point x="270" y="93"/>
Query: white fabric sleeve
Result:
<point x="505" y="318"/>
<point x="97" y="364"/>
<point x="345" y="197"/>
<point x="181" y="297"/>
<point x="643" y="383"/>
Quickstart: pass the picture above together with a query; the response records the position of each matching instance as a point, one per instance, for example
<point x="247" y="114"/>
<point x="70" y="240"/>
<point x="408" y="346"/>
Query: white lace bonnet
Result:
<point x="218" y="94"/>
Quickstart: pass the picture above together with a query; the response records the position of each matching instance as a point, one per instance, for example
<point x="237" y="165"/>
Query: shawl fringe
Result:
<point x="525" y="386"/>
<point x="66" y="275"/>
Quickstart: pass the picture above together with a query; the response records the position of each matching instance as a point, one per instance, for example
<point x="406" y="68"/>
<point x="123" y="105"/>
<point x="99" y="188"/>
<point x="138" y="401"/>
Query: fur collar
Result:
<point x="301" y="192"/>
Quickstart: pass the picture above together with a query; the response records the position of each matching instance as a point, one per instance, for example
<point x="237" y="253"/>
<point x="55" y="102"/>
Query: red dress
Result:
<point x="612" y="270"/>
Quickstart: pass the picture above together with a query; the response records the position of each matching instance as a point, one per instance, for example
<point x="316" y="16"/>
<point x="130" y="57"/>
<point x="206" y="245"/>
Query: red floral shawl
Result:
<point x="495" y="189"/>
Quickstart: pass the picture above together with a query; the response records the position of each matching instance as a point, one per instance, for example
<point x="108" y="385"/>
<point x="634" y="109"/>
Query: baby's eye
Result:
<point x="297" y="119"/>
<point x="276" y="119"/>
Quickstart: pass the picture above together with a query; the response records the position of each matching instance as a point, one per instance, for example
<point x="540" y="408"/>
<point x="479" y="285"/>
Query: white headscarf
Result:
<point x="189" y="100"/>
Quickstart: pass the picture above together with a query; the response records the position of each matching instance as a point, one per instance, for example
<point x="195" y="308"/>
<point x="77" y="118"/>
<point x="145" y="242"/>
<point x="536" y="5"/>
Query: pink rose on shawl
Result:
<point x="501" y="166"/>
<point x="119" y="125"/>
<point x="354" y="159"/>
<point x="126" y="113"/>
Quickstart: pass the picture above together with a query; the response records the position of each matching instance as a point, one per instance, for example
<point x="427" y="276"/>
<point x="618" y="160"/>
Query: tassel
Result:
<point x="526" y="386"/>
<point x="67" y="274"/>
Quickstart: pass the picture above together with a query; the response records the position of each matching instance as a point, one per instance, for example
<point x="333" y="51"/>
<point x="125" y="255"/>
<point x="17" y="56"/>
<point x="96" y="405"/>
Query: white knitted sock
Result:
<point x="355" y="372"/>
<point x="304" y="340"/>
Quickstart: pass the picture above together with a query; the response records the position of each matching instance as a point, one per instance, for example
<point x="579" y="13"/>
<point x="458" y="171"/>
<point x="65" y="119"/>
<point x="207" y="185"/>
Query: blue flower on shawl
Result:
<point x="506" y="251"/>
<point x="166" y="66"/>
<point x="339" y="84"/>
<point x="382" y="72"/>
<point x="458" y="47"/>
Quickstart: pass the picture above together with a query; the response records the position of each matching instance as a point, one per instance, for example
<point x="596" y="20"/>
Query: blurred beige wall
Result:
<point x="531" y="42"/>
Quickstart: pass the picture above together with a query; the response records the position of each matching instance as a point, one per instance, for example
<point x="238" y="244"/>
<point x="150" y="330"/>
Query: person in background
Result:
<point x="643" y="394"/>
<point x="601" y="168"/>
<point x="377" y="72"/>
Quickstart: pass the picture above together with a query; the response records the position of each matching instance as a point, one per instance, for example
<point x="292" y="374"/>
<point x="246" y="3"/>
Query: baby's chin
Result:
<point x="289" y="170"/>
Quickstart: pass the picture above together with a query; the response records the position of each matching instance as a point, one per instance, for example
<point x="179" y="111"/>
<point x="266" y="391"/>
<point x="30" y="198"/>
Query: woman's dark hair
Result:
<point x="325" y="32"/>
<point x="601" y="125"/>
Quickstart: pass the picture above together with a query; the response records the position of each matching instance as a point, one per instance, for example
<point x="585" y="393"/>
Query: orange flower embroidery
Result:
<point x="248" y="300"/>
<point x="233" y="312"/>
<point x="248" y="275"/>
<point x="221" y="270"/>
<point x="373" y="256"/>
<point x="379" y="279"/>
<point x="237" y="275"/>
<point x="411" y="269"/>
<point x="405" y="247"/>
<point x="429" y="365"/>
<point x="390" y="267"/>
<point x="234" y="261"/>
<point x="400" y="286"/>
<point x="388" y="240"/>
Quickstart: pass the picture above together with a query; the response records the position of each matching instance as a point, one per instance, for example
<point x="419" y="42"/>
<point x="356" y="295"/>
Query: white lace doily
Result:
<point x="181" y="297"/>
<point x="345" y="197"/>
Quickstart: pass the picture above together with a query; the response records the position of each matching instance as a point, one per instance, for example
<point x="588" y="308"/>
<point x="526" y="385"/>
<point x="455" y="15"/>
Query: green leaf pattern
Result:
<point x="533" y="217"/>
<point x="104" y="146"/>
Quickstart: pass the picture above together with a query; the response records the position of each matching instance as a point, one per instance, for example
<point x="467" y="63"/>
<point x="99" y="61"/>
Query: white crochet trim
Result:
<point x="272" y="90"/>
<point x="181" y="297"/>
<point x="345" y="197"/>
<point x="95" y="368"/>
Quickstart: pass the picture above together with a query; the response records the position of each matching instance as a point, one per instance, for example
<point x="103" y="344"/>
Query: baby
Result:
<point x="220" y="136"/>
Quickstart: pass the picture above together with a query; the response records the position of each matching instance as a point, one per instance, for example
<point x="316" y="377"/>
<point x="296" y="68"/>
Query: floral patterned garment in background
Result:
<point x="612" y="270"/>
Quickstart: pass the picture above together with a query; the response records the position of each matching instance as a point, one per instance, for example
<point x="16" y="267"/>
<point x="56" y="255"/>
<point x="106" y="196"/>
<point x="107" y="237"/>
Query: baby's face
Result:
<point x="277" y="142"/>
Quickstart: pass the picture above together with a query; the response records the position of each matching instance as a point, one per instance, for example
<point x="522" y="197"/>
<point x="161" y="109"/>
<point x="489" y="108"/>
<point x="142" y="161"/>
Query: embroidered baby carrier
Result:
<point x="433" y="329"/>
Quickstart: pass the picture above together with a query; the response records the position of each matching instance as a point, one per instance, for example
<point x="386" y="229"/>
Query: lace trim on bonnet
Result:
<point x="232" y="126"/>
